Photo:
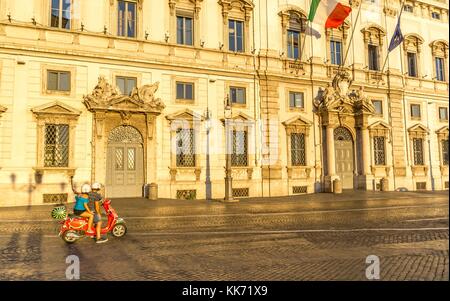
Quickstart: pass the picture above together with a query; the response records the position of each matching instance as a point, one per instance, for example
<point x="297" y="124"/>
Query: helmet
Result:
<point x="85" y="188"/>
<point x="96" y="185"/>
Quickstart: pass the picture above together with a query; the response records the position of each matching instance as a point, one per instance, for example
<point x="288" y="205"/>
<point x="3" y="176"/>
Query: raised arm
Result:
<point x="73" y="187"/>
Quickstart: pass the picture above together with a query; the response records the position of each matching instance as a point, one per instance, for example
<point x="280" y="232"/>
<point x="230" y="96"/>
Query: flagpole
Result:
<point x="304" y="40"/>
<point x="387" y="55"/>
<point x="351" y="36"/>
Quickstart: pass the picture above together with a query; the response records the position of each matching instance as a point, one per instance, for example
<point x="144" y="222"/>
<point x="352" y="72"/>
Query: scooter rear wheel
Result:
<point x="69" y="236"/>
<point x="119" y="230"/>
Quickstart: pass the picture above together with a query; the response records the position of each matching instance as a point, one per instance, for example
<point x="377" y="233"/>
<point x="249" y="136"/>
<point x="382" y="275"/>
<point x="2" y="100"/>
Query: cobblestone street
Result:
<point x="308" y="237"/>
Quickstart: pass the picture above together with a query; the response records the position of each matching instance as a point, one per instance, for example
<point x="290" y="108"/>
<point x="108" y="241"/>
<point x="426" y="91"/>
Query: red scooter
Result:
<point x="74" y="227"/>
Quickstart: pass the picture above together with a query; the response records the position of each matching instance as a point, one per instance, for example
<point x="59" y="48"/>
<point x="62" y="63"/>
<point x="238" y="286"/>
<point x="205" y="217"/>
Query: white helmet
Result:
<point x="96" y="185"/>
<point x="85" y="188"/>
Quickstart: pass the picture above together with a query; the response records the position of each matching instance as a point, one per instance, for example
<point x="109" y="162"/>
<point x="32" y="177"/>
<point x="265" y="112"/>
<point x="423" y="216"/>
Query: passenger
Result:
<point x="81" y="206"/>
<point x="95" y="199"/>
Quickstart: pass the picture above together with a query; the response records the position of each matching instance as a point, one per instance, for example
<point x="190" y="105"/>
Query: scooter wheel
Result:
<point x="119" y="230"/>
<point x="69" y="236"/>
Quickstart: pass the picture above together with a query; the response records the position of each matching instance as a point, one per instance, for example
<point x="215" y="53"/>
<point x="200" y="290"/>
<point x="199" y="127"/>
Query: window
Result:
<point x="185" y="90"/>
<point x="293" y="44"/>
<point x="412" y="64"/>
<point x="336" y="52"/>
<point x="185" y="148"/>
<point x="236" y="35"/>
<point x="298" y="157"/>
<point x="444" y="144"/>
<point x="60" y="14"/>
<point x="58" y="80"/>
<point x="439" y="64"/>
<point x="373" y="58"/>
<point x="436" y="15"/>
<point x="418" y="151"/>
<point x="296" y="100"/>
<point x="126" y="84"/>
<point x="443" y="113"/>
<point x="56" y="153"/>
<point x="184" y="30"/>
<point x="378" y="150"/>
<point x="126" y="26"/>
<point x="378" y="105"/>
<point x="239" y="155"/>
<point x="408" y="8"/>
<point x="415" y="111"/>
<point x="237" y="95"/>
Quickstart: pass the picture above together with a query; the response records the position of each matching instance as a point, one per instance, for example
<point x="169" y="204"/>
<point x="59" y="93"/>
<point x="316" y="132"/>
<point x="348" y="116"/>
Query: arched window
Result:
<point x="185" y="22"/>
<point x="293" y="23"/>
<point x="439" y="51"/>
<point x="412" y="49"/>
<point x="236" y="24"/>
<point x="373" y="43"/>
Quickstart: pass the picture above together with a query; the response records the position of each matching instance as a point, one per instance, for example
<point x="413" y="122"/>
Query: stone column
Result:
<point x="330" y="151"/>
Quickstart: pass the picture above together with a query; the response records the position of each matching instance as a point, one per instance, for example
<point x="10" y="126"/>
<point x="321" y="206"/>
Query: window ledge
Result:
<point x="299" y="171"/>
<point x="419" y="170"/>
<point x="385" y="169"/>
<point x="69" y="170"/>
<point x="190" y="169"/>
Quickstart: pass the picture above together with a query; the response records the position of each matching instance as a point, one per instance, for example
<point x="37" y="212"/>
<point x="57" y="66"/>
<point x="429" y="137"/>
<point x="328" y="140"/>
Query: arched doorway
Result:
<point x="343" y="146"/>
<point x="124" y="162"/>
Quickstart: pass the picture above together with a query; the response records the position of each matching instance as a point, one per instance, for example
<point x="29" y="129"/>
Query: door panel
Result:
<point x="344" y="162"/>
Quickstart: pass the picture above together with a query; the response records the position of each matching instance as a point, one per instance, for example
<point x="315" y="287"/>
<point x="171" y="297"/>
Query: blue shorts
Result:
<point x="97" y="218"/>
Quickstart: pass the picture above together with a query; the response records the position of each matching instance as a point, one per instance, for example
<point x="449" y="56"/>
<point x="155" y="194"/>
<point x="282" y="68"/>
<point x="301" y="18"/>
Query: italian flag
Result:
<point x="332" y="12"/>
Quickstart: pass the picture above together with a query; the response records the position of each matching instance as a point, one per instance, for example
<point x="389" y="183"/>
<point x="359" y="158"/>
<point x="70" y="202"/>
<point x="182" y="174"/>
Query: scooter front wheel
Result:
<point x="70" y="236"/>
<point x="119" y="230"/>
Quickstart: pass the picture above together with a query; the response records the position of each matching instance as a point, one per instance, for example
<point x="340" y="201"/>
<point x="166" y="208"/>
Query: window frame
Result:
<point x="381" y="107"/>
<point x="291" y="149"/>
<point x="414" y="65"/>
<point x="244" y="95"/>
<point x="418" y="154"/>
<point x="377" y="57"/>
<point x="377" y="150"/>
<point x="184" y="83"/>
<point x="444" y="144"/>
<point x="136" y="12"/>
<point x="185" y="16"/>
<point x="440" y="76"/>
<point x="58" y="145"/>
<point x="446" y="114"/>
<point x="234" y="154"/>
<point x="179" y="156"/>
<point x="302" y="108"/>
<point x="58" y="81"/>
<point x="333" y="57"/>
<point x="60" y="15"/>
<point x="236" y="21"/>
<point x="419" y="117"/>
<point x="126" y="78"/>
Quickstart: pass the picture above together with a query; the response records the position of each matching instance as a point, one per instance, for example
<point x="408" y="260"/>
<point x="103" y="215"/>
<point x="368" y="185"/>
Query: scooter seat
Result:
<point x="72" y="215"/>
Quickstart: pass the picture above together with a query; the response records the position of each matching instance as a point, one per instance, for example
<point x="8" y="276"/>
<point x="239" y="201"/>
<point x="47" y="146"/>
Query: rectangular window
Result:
<point x="236" y="35"/>
<point x="378" y="150"/>
<point x="418" y="151"/>
<point x="336" y="52"/>
<point x="296" y="100"/>
<point x="298" y="157"/>
<point x="436" y="15"/>
<point x="412" y="64"/>
<point x="56" y="153"/>
<point x="439" y="65"/>
<point x="58" y="81"/>
<point x="415" y="111"/>
<point x="237" y="95"/>
<point x="185" y="90"/>
<point x="408" y="8"/>
<point x="293" y="44"/>
<point x="373" y="58"/>
<point x="185" y="30"/>
<point x="126" y="26"/>
<point x="239" y="155"/>
<point x="443" y="114"/>
<point x="126" y="84"/>
<point x="444" y="152"/>
<point x="378" y="105"/>
<point x="61" y="14"/>
<point x="185" y="148"/>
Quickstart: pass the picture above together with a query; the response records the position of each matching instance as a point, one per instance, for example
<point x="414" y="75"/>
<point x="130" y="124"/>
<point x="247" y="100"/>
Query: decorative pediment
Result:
<point x="186" y="114"/>
<point x="418" y="130"/>
<point x="244" y="7"/>
<point x="373" y="34"/>
<point x="443" y="132"/>
<point x="379" y="128"/>
<point x="56" y="108"/>
<point x="335" y="97"/>
<point x="412" y="42"/>
<point x="297" y="124"/>
<point x="106" y="97"/>
<point x="439" y="48"/>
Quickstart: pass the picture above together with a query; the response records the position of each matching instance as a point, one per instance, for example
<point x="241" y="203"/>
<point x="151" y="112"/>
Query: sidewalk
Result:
<point x="170" y="207"/>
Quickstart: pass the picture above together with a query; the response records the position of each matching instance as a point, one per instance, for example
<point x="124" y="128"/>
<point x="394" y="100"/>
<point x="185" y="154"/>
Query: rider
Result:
<point x="95" y="199"/>
<point x="81" y="206"/>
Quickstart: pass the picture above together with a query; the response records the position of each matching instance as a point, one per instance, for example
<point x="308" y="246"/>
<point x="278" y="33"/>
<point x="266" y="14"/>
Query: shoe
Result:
<point x="101" y="240"/>
<point x="90" y="232"/>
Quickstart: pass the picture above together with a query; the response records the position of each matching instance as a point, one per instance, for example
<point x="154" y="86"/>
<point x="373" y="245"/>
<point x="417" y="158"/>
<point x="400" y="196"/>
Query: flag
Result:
<point x="331" y="12"/>
<point x="397" y="38"/>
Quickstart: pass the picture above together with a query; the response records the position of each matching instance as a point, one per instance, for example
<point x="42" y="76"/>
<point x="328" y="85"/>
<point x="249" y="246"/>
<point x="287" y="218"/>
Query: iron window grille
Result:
<point x="418" y="151"/>
<point x="379" y="151"/>
<point x="444" y="152"/>
<point x="236" y="35"/>
<point x="57" y="198"/>
<point x="126" y="84"/>
<point x="58" y="80"/>
<point x="126" y="23"/>
<point x="61" y="14"/>
<point x="239" y="156"/>
<point x="298" y="157"/>
<point x="185" y="148"/>
<point x="56" y="152"/>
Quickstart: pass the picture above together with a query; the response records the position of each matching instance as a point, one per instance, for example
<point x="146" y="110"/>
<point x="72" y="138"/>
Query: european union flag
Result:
<point x="397" y="38"/>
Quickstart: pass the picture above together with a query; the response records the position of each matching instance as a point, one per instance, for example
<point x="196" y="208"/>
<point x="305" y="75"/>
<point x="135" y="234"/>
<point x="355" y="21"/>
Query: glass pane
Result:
<point x="231" y="35"/>
<point x="415" y="111"/>
<point x="338" y="53"/>
<point x="291" y="100"/>
<point x="131" y="159"/>
<point x="240" y="95"/>
<point x="131" y="84"/>
<point x="120" y="83"/>
<point x="411" y="64"/>
<point x="180" y="30"/>
<point x="121" y="19"/>
<point x="233" y="95"/>
<point x="378" y="106"/>
<point x="296" y="44"/>
<point x="188" y="31"/>
<point x="189" y="91"/>
<point x="239" y="37"/>
<point x="64" y="81"/>
<point x="180" y="91"/>
<point x="52" y="80"/>
<point x="443" y="113"/>
<point x="119" y="158"/>
<point x="445" y="152"/>
<point x="131" y="20"/>
<point x="299" y="100"/>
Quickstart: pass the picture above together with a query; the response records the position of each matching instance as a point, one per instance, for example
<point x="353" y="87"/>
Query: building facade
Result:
<point x="134" y="92"/>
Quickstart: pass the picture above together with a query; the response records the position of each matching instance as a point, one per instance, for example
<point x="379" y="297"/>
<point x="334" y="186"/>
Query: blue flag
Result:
<point x="397" y="38"/>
